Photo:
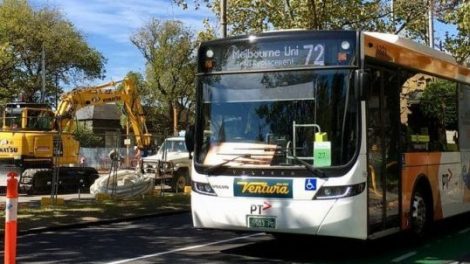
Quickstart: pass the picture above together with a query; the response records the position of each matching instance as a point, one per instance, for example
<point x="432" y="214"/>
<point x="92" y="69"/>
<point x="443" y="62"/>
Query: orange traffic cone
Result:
<point x="11" y="209"/>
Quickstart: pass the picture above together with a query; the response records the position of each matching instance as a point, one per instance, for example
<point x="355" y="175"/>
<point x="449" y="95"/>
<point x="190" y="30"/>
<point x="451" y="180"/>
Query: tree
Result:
<point x="6" y="73"/>
<point x="459" y="44"/>
<point x="86" y="137"/>
<point x="24" y="34"/>
<point x="408" y="18"/>
<point x="439" y="105"/>
<point x="207" y="34"/>
<point x="169" y="52"/>
<point x="256" y="16"/>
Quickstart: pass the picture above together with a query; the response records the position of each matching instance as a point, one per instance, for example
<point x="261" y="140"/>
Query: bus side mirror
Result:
<point x="189" y="139"/>
<point x="361" y="83"/>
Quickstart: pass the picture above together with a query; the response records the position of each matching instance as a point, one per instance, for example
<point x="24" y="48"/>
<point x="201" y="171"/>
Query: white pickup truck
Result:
<point x="171" y="164"/>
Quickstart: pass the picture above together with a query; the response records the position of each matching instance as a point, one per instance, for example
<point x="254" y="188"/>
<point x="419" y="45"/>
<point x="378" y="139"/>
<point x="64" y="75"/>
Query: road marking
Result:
<point x="464" y="231"/>
<point x="184" y="248"/>
<point x="402" y="257"/>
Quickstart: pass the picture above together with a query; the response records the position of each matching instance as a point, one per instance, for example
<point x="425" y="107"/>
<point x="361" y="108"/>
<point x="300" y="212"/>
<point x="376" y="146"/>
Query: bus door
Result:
<point x="383" y="145"/>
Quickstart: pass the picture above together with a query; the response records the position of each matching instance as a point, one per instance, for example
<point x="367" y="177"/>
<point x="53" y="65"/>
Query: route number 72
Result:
<point x="317" y="52"/>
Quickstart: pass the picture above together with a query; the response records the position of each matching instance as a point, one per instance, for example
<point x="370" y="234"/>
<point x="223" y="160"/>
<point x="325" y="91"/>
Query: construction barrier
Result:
<point x="11" y="210"/>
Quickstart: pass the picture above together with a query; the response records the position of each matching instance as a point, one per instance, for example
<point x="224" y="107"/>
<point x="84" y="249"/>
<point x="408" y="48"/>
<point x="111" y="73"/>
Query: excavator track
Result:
<point x="30" y="180"/>
<point x="71" y="179"/>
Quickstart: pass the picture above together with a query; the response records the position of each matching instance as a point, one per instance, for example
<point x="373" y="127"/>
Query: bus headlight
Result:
<point x="335" y="192"/>
<point x="203" y="188"/>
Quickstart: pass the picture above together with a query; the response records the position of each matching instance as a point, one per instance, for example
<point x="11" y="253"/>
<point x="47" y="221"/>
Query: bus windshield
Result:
<point x="278" y="119"/>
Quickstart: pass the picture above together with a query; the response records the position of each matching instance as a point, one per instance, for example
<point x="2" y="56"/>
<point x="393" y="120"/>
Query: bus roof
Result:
<point x="405" y="52"/>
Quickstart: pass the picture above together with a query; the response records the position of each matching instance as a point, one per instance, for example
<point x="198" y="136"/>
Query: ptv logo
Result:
<point x="258" y="208"/>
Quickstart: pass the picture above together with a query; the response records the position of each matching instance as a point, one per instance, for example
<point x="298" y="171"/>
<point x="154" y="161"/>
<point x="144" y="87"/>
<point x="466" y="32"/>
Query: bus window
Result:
<point x="430" y="123"/>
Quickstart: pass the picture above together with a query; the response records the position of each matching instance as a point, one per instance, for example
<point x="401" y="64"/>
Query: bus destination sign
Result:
<point x="268" y="54"/>
<point x="276" y="57"/>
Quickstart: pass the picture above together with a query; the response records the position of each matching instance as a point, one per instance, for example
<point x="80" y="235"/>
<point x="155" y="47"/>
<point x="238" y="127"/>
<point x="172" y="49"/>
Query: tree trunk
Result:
<point x="175" y="120"/>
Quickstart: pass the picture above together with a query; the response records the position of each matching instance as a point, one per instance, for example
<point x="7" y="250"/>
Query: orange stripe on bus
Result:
<point x="415" y="165"/>
<point x="389" y="52"/>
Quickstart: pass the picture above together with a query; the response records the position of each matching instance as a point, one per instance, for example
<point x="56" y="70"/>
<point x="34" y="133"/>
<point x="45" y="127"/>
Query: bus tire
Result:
<point x="421" y="213"/>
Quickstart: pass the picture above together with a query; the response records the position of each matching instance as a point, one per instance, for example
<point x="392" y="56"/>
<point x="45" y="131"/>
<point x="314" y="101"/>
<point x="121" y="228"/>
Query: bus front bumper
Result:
<point x="345" y="217"/>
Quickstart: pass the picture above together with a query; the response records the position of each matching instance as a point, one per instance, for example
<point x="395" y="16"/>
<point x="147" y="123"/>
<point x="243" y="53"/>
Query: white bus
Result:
<point x="331" y="133"/>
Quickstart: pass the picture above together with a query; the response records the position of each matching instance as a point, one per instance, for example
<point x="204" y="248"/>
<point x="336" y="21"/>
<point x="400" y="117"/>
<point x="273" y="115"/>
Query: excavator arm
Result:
<point x="76" y="99"/>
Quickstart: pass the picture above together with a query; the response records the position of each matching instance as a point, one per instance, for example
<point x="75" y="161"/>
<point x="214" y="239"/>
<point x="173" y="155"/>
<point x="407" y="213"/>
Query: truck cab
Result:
<point x="171" y="164"/>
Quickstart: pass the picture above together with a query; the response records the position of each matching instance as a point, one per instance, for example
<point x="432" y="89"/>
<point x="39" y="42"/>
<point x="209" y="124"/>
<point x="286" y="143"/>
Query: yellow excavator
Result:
<point x="40" y="142"/>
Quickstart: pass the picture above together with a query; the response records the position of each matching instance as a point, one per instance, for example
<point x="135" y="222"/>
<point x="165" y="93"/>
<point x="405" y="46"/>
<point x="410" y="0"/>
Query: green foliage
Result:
<point x="459" y="44"/>
<point x="404" y="17"/>
<point x="438" y="102"/>
<point x="207" y="34"/>
<point x="6" y="72"/>
<point x="86" y="136"/>
<point x="168" y="48"/>
<point x="24" y="33"/>
<point x="137" y="79"/>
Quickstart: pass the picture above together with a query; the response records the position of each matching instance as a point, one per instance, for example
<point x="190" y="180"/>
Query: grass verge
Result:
<point x="32" y="216"/>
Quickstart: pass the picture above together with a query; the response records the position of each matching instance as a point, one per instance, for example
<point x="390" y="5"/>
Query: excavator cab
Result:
<point x="28" y="116"/>
<point x="11" y="118"/>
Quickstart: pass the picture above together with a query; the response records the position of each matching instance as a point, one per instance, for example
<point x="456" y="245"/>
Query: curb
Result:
<point x="38" y="230"/>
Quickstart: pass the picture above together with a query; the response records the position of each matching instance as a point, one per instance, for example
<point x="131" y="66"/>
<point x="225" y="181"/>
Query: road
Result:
<point x="171" y="239"/>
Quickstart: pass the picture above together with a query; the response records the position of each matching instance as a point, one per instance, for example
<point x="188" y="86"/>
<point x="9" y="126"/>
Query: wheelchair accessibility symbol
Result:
<point x="310" y="184"/>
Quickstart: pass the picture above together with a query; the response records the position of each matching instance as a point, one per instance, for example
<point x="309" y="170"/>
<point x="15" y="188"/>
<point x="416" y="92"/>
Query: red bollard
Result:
<point x="11" y="209"/>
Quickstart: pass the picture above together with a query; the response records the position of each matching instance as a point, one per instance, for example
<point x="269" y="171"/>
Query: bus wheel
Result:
<point x="420" y="213"/>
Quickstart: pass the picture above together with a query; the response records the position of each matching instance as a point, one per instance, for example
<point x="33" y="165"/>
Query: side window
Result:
<point x="13" y="121"/>
<point x="464" y="113"/>
<point x="39" y="119"/>
<point x="429" y="114"/>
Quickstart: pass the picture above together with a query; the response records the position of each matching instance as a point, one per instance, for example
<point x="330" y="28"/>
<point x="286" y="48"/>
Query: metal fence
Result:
<point x="99" y="158"/>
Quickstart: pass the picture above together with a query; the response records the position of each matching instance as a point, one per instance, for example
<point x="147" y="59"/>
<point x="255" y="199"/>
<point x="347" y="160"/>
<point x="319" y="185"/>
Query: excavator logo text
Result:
<point x="112" y="99"/>
<point x="8" y="150"/>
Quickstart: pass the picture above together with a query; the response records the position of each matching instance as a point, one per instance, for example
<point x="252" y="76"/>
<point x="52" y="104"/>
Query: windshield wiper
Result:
<point x="318" y="172"/>
<point x="211" y="169"/>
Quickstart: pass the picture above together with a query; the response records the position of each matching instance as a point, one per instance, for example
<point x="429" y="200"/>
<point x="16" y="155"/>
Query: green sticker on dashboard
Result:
<point x="322" y="154"/>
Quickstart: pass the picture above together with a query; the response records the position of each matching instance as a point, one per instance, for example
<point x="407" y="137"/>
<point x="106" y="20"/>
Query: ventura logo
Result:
<point x="263" y="188"/>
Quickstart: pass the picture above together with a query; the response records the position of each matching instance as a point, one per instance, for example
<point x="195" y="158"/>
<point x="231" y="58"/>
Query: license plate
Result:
<point x="267" y="222"/>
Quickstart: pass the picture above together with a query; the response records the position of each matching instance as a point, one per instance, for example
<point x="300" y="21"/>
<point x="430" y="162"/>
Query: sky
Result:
<point x="107" y="26"/>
